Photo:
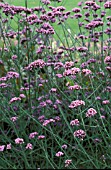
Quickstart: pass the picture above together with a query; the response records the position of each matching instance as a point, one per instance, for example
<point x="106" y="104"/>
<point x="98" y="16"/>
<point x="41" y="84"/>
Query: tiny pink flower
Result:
<point x="14" y="99"/>
<point x="14" y="57"/>
<point x="40" y="85"/>
<point x="98" y="98"/>
<point x="53" y="90"/>
<point x="105" y="102"/>
<point x="32" y="135"/>
<point x="59" y="75"/>
<point x="75" y="87"/>
<point x="67" y="162"/>
<point x="2" y="147"/>
<point x="76" y="103"/>
<point x="49" y="101"/>
<point x="58" y="102"/>
<point x="96" y="140"/>
<point x="41" y="137"/>
<point x="13" y="119"/>
<point x="58" y="154"/>
<point x="74" y="122"/>
<point x="8" y="146"/>
<point x="68" y="64"/>
<point x="102" y="117"/>
<point x="12" y="74"/>
<point x="89" y="3"/>
<point x="43" y="104"/>
<point x="55" y="106"/>
<point x="19" y="141"/>
<point x="76" y="10"/>
<point x="3" y="85"/>
<point x="22" y="96"/>
<point x="3" y="78"/>
<point x="107" y="60"/>
<point x="86" y="71"/>
<point x="35" y="64"/>
<point x="91" y="112"/>
<point x="64" y="146"/>
<point x="46" y="122"/>
<point x="51" y="120"/>
<point x="29" y="146"/>
<point x="79" y="134"/>
<point x="41" y="118"/>
<point x="57" y="118"/>
<point x="75" y="70"/>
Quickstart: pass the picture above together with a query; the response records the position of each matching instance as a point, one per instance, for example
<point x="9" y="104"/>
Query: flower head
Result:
<point x="14" y="99"/>
<point x="13" y="119"/>
<point x="79" y="134"/>
<point x="91" y="112"/>
<point x="58" y="154"/>
<point x="2" y="147"/>
<point x="29" y="146"/>
<point x="64" y="146"/>
<point x="41" y="137"/>
<point x="8" y="146"/>
<point x="67" y="162"/>
<point x="74" y="122"/>
<point x="32" y="135"/>
<point x="19" y="141"/>
<point x="76" y="103"/>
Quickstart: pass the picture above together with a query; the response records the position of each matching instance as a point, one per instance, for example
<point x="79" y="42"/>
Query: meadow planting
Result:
<point x="55" y="85"/>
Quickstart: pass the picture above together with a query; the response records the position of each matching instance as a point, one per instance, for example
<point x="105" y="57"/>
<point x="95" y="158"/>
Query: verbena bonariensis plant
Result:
<point x="55" y="109"/>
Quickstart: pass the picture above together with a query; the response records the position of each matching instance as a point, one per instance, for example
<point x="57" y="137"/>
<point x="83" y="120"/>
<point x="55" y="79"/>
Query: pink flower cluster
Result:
<point x="58" y="154"/>
<point x="14" y="99"/>
<point x="74" y="122"/>
<point x="14" y="57"/>
<point x="37" y="63"/>
<point x="29" y="146"/>
<point x="76" y="10"/>
<point x="46" y="122"/>
<point x="76" y="103"/>
<point x="67" y="162"/>
<point x="3" y="85"/>
<point x="82" y="49"/>
<point x="41" y="137"/>
<point x="32" y="135"/>
<point x="107" y="59"/>
<point x="86" y="72"/>
<point x="22" y="96"/>
<point x="46" y="2"/>
<point x="75" y="87"/>
<point x="72" y="71"/>
<point x="89" y="3"/>
<point x="91" y="112"/>
<point x="79" y="134"/>
<point x="107" y="4"/>
<point x="45" y="28"/>
<point x="94" y="24"/>
<point x="12" y="74"/>
<point x="68" y="64"/>
<point x="64" y="146"/>
<point x="19" y="141"/>
<point x="105" y="102"/>
<point x="13" y="119"/>
<point x="2" y="147"/>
